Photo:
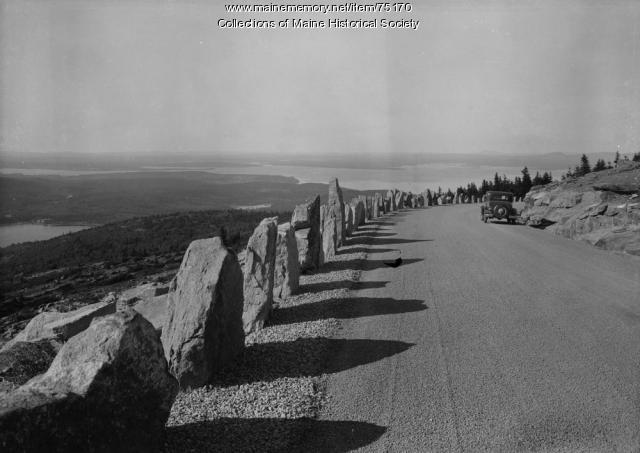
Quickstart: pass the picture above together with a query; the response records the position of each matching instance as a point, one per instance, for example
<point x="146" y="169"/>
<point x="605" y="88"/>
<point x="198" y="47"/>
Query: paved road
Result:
<point x="490" y="337"/>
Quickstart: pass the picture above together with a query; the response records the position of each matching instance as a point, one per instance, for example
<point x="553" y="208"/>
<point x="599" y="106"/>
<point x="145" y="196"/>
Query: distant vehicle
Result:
<point x="498" y="205"/>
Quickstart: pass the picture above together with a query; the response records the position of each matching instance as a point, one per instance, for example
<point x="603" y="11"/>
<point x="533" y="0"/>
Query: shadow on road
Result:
<point x="365" y="265"/>
<point x="364" y="249"/>
<point x="370" y="234"/>
<point x="305" y="357"/>
<point x="271" y="435"/>
<point x="340" y="284"/>
<point x="392" y="241"/>
<point x="354" y="307"/>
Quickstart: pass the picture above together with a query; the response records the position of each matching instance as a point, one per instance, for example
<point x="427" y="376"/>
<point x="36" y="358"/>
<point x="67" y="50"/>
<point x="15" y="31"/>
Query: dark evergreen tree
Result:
<point x="585" y="167"/>
<point x="600" y="165"/>
<point x="526" y="181"/>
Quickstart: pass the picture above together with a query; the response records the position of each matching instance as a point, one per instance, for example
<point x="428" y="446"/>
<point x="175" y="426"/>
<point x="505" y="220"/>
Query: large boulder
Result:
<point x="336" y="210"/>
<point x="203" y="328"/>
<point x="258" y="275"/>
<point x="61" y="326"/>
<point x="108" y="389"/>
<point x="154" y="310"/>
<point x="286" y="279"/>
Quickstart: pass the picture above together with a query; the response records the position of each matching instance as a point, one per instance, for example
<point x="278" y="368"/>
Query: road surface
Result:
<point x="489" y="337"/>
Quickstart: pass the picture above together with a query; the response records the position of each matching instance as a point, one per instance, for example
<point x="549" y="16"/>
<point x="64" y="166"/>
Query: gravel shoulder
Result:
<point x="269" y="398"/>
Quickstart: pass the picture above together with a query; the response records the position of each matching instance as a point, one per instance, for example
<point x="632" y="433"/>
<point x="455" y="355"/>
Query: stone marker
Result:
<point x="258" y="275"/>
<point x="348" y="219"/>
<point x="375" y="207"/>
<point x="363" y="211"/>
<point x="286" y="278"/>
<point x="354" y="214"/>
<point x="309" y="244"/>
<point x="306" y="221"/>
<point x="336" y="209"/>
<point x="392" y="199"/>
<point x="329" y="237"/>
<point x="108" y="389"/>
<point x="307" y="214"/>
<point x="203" y="329"/>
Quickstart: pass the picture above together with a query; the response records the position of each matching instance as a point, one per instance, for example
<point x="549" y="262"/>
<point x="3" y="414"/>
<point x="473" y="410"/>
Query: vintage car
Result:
<point x="498" y="205"/>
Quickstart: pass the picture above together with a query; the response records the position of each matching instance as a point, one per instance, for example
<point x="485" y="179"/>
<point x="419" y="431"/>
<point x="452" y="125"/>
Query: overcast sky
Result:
<point x="151" y="75"/>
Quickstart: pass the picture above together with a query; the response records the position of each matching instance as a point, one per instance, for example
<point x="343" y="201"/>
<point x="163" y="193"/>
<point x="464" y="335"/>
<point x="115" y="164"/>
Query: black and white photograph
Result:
<point x="319" y="226"/>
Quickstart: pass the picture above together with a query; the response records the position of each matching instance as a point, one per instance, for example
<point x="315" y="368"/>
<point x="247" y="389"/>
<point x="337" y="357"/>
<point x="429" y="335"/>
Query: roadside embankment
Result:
<point x="601" y="208"/>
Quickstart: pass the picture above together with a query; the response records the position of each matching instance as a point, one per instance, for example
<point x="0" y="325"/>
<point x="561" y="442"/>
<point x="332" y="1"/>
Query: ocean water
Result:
<point x="26" y="232"/>
<point x="415" y="178"/>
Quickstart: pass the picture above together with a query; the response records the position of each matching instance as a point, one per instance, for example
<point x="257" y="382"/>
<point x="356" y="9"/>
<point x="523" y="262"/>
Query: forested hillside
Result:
<point x="79" y="267"/>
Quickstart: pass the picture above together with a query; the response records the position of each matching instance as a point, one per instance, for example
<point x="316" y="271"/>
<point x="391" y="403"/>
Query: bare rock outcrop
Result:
<point x="578" y="208"/>
<point x="203" y="330"/>
<point x="287" y="268"/>
<point x="108" y="389"/>
<point x="258" y="275"/>
<point x="61" y="326"/>
<point x="144" y="292"/>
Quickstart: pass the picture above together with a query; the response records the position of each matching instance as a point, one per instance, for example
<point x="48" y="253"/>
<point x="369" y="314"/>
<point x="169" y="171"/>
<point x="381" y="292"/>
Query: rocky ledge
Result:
<point x="601" y="208"/>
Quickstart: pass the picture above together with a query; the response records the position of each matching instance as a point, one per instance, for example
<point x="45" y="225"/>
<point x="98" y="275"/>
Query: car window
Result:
<point x="500" y="197"/>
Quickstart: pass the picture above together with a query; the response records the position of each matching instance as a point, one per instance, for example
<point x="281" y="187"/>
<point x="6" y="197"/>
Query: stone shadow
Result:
<point x="363" y="264"/>
<point x="381" y="222"/>
<point x="304" y="357"/>
<point x="340" y="284"/>
<point x="372" y="233"/>
<point x="374" y="239"/>
<point x="271" y="435"/>
<point x="363" y="249"/>
<point x="393" y="241"/>
<point x="351" y="307"/>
